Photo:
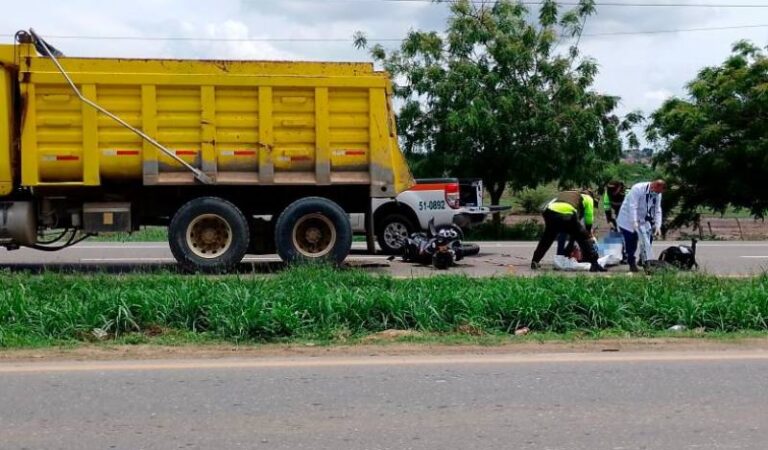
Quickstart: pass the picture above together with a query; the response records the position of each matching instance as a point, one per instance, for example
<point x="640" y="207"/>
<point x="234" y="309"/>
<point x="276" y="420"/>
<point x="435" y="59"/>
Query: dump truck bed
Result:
<point x="239" y="122"/>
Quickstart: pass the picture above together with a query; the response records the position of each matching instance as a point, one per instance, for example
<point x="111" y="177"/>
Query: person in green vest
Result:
<point x="564" y="215"/>
<point x="615" y="191"/>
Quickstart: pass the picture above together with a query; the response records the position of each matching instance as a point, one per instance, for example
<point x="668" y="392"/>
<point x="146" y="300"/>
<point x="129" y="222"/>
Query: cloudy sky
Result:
<point x="643" y="69"/>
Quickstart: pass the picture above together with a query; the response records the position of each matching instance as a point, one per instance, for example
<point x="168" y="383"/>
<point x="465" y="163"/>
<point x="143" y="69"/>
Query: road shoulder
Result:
<point x="105" y="352"/>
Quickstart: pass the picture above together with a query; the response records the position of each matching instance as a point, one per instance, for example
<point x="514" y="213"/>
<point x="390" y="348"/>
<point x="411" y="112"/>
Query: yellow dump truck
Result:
<point x="234" y="157"/>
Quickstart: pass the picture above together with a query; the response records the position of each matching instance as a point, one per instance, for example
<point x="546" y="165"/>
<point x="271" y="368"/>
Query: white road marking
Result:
<point x="134" y="260"/>
<point x="729" y="244"/>
<point x="657" y="243"/>
<point x="118" y="245"/>
<point x="241" y="363"/>
<point x="246" y="259"/>
<point x="362" y="245"/>
<point x="754" y="257"/>
<point x="505" y="245"/>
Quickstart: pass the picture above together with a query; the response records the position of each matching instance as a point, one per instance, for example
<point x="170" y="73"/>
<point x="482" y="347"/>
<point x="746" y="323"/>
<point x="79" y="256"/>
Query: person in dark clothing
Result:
<point x="564" y="215"/>
<point x="565" y="244"/>
<point x="615" y="191"/>
<point x="613" y="197"/>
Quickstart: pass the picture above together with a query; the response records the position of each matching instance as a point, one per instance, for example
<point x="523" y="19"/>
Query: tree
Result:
<point x="629" y="173"/>
<point x="715" y="142"/>
<point x="496" y="96"/>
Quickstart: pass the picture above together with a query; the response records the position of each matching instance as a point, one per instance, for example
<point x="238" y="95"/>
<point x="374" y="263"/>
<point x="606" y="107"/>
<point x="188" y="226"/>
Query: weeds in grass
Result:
<point x="326" y="304"/>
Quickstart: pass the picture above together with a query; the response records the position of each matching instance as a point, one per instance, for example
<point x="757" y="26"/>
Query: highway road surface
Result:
<point x="496" y="258"/>
<point x="596" y="401"/>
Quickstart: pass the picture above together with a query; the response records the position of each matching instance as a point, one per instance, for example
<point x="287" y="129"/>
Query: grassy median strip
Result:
<point x="146" y="234"/>
<point x="326" y="304"/>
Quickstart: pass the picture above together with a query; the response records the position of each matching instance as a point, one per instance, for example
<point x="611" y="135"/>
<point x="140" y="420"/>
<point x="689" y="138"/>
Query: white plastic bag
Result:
<point x="644" y="243"/>
<point x="610" y="253"/>
<point x="570" y="265"/>
<point x="609" y="260"/>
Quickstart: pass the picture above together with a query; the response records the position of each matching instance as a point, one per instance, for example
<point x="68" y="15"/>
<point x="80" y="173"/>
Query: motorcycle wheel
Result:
<point x="470" y="249"/>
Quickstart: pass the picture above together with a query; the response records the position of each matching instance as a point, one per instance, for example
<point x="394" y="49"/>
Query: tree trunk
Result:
<point x="496" y="190"/>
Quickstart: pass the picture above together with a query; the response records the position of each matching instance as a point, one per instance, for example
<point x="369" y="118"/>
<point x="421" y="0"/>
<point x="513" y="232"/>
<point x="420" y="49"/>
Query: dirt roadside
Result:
<point x="105" y="352"/>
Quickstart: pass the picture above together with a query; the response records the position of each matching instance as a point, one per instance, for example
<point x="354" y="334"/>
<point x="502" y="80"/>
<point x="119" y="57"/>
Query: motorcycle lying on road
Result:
<point x="439" y="246"/>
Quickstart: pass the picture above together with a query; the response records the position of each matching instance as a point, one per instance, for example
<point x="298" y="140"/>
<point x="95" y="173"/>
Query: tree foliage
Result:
<point x="715" y="142"/>
<point x="498" y="95"/>
<point x="629" y="173"/>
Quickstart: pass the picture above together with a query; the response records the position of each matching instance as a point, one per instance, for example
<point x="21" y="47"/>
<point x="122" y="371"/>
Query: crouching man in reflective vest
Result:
<point x="564" y="215"/>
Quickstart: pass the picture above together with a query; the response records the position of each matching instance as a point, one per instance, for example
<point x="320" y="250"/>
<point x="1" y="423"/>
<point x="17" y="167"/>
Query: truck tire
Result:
<point x="208" y="234"/>
<point x="391" y="230"/>
<point x="313" y="229"/>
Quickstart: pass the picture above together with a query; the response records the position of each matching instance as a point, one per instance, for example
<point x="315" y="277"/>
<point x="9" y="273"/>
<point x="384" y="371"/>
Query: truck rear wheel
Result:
<point x="313" y="229"/>
<point x="208" y="234"/>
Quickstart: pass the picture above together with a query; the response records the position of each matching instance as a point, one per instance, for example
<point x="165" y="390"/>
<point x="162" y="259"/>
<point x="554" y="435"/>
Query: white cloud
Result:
<point x="238" y="47"/>
<point x="641" y="69"/>
<point x="658" y="95"/>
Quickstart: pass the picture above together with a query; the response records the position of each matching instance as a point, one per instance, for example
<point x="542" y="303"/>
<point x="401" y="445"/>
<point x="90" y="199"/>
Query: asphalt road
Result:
<point x="549" y="401"/>
<point x="496" y="258"/>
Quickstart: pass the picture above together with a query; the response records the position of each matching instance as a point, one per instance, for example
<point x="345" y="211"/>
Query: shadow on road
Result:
<point x="247" y="267"/>
<point x="90" y="268"/>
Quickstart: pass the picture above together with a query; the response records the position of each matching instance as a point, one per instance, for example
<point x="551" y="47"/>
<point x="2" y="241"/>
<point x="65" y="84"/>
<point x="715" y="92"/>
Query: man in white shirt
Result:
<point x="640" y="213"/>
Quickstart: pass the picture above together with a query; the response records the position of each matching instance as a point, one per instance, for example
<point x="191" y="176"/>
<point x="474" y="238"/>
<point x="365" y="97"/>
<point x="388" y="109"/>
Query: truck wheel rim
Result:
<point x="394" y="234"/>
<point x="209" y="236"/>
<point x="314" y="235"/>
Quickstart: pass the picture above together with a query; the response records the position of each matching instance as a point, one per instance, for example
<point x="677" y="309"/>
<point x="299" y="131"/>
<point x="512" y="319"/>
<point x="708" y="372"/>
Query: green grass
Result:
<point x="146" y="234"/>
<point x="527" y="201"/>
<point x="730" y="213"/>
<point x="529" y="230"/>
<point x="324" y="304"/>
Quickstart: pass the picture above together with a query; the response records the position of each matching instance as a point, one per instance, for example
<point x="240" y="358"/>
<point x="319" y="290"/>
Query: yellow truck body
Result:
<point x="240" y="122"/>
<point x="311" y="125"/>
<point x="7" y="161"/>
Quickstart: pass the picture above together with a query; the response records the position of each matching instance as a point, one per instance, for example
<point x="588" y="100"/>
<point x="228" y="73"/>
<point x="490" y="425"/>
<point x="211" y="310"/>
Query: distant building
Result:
<point x="637" y="156"/>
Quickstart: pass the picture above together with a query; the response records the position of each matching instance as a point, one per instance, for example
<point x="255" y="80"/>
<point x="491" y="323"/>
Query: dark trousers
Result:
<point x="564" y="245"/>
<point x="631" y="241"/>
<point x="556" y="223"/>
<point x="630" y="245"/>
